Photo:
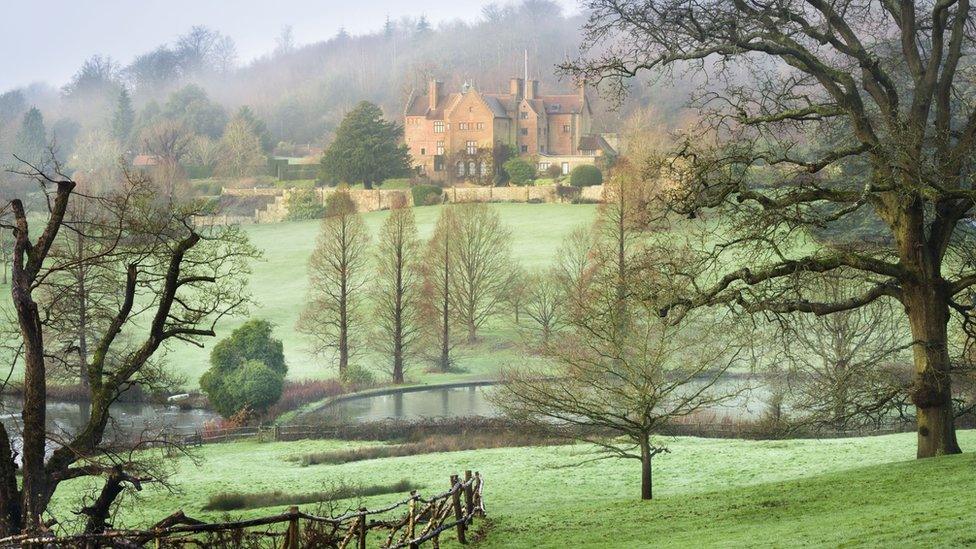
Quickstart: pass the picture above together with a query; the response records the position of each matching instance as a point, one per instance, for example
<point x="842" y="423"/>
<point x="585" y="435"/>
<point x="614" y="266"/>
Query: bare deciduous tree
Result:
<point x="848" y="369"/>
<point x="337" y="278"/>
<point x="179" y="282"/>
<point x="396" y="289"/>
<point x="622" y="370"/>
<point x="481" y="266"/>
<point x="437" y="302"/>
<point x="544" y="304"/>
<point x="853" y="110"/>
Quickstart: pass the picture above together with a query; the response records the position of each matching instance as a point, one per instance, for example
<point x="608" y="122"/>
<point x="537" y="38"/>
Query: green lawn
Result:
<point x="279" y="285"/>
<point x="851" y="492"/>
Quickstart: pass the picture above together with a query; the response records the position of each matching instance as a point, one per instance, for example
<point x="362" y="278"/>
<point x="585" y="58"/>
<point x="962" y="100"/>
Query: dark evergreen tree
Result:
<point x="366" y="149"/>
<point x="124" y="117"/>
<point x="31" y="142"/>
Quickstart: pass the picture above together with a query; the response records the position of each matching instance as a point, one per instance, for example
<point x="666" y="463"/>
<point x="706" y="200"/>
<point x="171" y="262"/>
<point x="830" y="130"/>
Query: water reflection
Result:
<point x="748" y="404"/>
<point x="463" y="401"/>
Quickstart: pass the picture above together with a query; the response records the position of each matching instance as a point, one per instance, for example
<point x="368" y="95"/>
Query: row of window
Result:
<point x="471" y="147"/>
<point x="472" y="168"/>
<point x="441" y="127"/>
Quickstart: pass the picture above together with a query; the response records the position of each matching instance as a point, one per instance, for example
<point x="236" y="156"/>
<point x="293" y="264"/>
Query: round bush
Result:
<point x="247" y="370"/>
<point x="585" y="176"/>
<point x="519" y="171"/>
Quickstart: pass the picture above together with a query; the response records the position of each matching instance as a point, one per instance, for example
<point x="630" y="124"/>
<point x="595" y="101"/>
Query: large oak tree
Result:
<point x="817" y="112"/>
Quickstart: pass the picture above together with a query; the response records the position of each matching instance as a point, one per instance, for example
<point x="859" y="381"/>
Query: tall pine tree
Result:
<point x="124" y="117"/>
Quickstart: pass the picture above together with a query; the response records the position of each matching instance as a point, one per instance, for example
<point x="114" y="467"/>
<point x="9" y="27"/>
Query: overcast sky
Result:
<point x="47" y="40"/>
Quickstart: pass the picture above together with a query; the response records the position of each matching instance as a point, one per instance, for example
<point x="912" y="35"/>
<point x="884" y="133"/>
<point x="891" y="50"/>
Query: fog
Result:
<point x="64" y="32"/>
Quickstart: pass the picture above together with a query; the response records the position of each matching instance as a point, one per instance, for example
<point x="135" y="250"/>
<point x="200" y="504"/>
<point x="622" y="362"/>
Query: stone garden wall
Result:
<point x="385" y="199"/>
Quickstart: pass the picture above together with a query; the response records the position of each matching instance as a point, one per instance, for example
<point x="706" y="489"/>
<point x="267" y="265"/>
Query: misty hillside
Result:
<point x="301" y="92"/>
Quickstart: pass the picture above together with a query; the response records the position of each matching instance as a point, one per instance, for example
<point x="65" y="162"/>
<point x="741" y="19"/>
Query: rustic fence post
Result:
<point x="291" y="540"/>
<point x="468" y="493"/>
<point x="412" y="518"/>
<point x="277" y="433"/>
<point x="456" y="502"/>
<point x="362" y="528"/>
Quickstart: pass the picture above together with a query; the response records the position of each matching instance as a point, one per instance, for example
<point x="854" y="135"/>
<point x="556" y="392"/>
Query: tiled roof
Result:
<point x="562" y="103"/>
<point x="502" y="105"/>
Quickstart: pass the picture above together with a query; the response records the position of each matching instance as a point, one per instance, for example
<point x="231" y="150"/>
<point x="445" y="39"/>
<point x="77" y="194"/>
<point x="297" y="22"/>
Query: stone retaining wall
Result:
<point x="385" y="199"/>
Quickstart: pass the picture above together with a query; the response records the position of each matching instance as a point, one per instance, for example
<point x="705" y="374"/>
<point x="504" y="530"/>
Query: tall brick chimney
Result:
<point x="532" y="89"/>
<point x="516" y="87"/>
<point x="434" y="90"/>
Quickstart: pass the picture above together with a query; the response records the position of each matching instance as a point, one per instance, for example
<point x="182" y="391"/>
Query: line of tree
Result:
<point x="417" y="294"/>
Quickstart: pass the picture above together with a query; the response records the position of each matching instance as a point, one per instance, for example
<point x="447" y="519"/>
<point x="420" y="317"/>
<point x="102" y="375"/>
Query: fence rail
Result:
<point x="408" y="523"/>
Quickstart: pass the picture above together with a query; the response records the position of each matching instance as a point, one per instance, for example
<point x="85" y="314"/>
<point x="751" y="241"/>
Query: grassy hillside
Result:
<point x="853" y="492"/>
<point x="279" y="283"/>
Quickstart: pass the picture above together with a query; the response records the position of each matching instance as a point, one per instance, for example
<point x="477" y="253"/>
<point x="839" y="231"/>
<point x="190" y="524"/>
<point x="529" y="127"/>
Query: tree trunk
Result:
<point x="398" y="342"/>
<point x="646" y="477"/>
<point x="931" y="391"/>
<point x="343" y="327"/>
<point x="445" y="362"/>
<point x="34" y="413"/>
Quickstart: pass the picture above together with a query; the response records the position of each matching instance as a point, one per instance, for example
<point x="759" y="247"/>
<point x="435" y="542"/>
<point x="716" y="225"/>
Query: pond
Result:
<point x="127" y="419"/>
<point x="448" y="402"/>
<point x="416" y="403"/>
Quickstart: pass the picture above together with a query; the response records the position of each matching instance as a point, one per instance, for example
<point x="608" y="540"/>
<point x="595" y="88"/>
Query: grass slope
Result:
<point x="279" y="284"/>
<point x="708" y="492"/>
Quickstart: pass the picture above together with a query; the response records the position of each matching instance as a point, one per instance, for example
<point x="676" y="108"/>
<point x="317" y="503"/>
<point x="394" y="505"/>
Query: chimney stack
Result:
<point x="517" y="88"/>
<point x="532" y="89"/>
<point x="434" y="89"/>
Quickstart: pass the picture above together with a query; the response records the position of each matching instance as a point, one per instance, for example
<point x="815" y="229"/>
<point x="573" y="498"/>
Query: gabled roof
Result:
<point x="594" y="143"/>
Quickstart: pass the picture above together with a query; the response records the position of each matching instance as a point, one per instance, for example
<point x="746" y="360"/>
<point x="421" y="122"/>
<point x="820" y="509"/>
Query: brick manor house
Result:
<point x="458" y="136"/>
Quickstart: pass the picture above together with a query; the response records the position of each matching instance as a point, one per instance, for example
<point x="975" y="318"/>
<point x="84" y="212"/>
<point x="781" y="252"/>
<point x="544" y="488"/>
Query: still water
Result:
<point x="127" y="419"/>
<point x="464" y="401"/>
<point x="749" y="403"/>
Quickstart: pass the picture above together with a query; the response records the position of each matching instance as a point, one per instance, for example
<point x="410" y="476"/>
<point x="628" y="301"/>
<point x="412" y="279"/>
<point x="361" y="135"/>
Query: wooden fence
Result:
<point x="409" y="523"/>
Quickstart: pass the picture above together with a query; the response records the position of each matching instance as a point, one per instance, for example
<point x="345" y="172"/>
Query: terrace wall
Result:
<point x="385" y="199"/>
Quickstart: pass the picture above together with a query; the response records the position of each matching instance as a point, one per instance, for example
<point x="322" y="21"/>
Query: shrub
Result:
<point x="554" y="171"/>
<point x="519" y="171"/>
<point x="247" y="370"/>
<point x="358" y="376"/>
<point x="426" y="195"/>
<point x="304" y="204"/>
<point x="585" y="176"/>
